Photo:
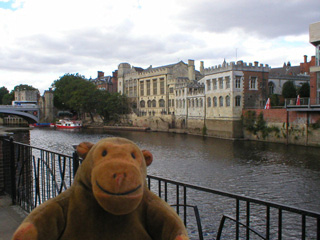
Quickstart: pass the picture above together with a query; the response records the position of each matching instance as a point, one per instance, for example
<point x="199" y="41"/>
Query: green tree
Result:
<point x="289" y="90"/>
<point x="112" y="105"/>
<point x="23" y="87"/>
<point x="73" y="92"/>
<point x="8" y="98"/>
<point x="3" y="91"/>
<point x="304" y="90"/>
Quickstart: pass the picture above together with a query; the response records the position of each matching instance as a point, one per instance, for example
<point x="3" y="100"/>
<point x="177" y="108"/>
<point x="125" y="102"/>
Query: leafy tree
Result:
<point x="73" y="92"/>
<point x="304" y="90"/>
<point x="275" y="101"/>
<point x="3" y="91"/>
<point x="112" y="105"/>
<point x="23" y="87"/>
<point x="8" y="98"/>
<point x="289" y="90"/>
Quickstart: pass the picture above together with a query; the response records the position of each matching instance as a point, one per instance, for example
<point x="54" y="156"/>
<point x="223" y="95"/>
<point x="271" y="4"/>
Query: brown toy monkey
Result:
<point x="108" y="200"/>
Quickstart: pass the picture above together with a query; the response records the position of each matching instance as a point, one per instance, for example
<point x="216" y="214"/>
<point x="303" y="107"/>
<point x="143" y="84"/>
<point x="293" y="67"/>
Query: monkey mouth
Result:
<point x="117" y="194"/>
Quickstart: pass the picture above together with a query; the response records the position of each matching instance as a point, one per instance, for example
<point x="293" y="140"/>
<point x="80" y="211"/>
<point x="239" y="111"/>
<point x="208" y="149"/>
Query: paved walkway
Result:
<point x="10" y="217"/>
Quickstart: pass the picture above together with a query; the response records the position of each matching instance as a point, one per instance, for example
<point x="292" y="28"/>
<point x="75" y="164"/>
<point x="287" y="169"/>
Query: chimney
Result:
<point x="305" y="58"/>
<point x="256" y="64"/>
<point x="201" y="68"/>
<point x="100" y="74"/>
<point x="191" y="70"/>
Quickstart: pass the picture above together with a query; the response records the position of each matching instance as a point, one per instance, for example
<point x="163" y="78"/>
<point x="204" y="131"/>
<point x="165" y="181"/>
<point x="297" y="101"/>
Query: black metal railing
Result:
<point x="39" y="174"/>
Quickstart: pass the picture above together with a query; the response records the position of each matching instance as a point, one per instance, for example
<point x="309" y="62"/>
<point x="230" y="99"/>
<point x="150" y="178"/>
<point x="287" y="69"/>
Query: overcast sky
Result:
<point x="41" y="40"/>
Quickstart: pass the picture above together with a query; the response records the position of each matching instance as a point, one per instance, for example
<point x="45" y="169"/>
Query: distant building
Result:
<point x="106" y="83"/>
<point x="26" y="95"/>
<point x="151" y="90"/>
<point x="314" y="37"/>
<point x="297" y="74"/>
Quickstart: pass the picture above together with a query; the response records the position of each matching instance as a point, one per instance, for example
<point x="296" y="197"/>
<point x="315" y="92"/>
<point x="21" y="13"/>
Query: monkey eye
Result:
<point x="133" y="156"/>
<point x="104" y="153"/>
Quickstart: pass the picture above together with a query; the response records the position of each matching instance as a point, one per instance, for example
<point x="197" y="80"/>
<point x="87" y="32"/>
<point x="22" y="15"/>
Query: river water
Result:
<point x="283" y="174"/>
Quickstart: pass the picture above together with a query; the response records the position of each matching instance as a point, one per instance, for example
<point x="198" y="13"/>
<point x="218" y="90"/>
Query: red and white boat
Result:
<point x="68" y="124"/>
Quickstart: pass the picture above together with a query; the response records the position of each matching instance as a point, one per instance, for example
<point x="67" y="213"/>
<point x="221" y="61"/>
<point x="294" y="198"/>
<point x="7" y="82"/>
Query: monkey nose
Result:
<point x="119" y="177"/>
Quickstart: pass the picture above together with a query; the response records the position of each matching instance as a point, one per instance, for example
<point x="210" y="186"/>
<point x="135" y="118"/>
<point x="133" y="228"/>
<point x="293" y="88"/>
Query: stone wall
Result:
<point x="280" y="126"/>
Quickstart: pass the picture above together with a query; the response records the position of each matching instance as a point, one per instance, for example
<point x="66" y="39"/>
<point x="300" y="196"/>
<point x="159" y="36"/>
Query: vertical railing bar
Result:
<point x="268" y="223"/>
<point x="318" y="228"/>
<point x="177" y="199"/>
<point x="159" y="188"/>
<point x="185" y="205"/>
<point x="248" y="221"/>
<point x="237" y="217"/>
<point x="149" y="182"/>
<point x="303" y="234"/>
<point x="280" y="224"/>
<point x="166" y="191"/>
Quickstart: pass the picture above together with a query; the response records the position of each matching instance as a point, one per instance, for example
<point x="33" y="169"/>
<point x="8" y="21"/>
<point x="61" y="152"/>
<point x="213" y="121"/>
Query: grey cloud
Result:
<point x="269" y="19"/>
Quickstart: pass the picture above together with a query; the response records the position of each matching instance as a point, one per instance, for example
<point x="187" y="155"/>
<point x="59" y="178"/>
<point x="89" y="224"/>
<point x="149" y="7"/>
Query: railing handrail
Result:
<point x="241" y="197"/>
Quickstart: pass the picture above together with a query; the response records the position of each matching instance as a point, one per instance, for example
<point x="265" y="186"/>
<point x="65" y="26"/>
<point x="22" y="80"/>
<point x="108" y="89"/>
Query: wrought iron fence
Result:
<point x="39" y="174"/>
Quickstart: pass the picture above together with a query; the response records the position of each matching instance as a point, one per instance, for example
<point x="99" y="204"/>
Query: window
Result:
<point x="227" y="82"/>
<point x="149" y="103"/>
<point x="271" y="87"/>
<point x="208" y="85"/>
<point x="214" y="83"/>
<point x="177" y="103"/>
<point x="154" y="86"/>
<point x="238" y="81"/>
<point x="215" y="101"/>
<point x="171" y="90"/>
<point x="253" y="83"/>
<point x="161" y="85"/>
<point x="228" y="101"/>
<point x="238" y="101"/>
<point x="221" y="101"/>
<point x="172" y="103"/>
<point x="221" y="83"/>
<point x="142" y="103"/>
<point x="184" y="103"/>
<point x="154" y="103"/>
<point x="148" y="87"/>
<point x="161" y="103"/>
<point x="209" y="102"/>
<point x="201" y="102"/>
<point x="197" y="102"/>
<point x="141" y="88"/>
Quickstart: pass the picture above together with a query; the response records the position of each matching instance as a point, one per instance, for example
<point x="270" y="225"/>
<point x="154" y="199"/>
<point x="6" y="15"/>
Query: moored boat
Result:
<point x="68" y="124"/>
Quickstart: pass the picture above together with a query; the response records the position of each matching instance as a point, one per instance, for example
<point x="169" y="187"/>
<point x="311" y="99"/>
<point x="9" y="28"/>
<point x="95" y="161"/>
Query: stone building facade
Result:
<point x="151" y="91"/>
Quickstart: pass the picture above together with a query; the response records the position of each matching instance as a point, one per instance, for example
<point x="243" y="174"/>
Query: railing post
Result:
<point x="12" y="172"/>
<point x="75" y="162"/>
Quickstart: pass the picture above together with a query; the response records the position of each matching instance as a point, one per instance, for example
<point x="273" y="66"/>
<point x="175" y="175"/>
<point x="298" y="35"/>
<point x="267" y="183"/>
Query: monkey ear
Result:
<point x="83" y="148"/>
<point x="148" y="157"/>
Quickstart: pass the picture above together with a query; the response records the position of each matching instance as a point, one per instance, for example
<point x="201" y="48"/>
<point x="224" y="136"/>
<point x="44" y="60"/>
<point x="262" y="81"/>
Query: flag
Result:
<point x="298" y="100"/>
<point x="267" y="104"/>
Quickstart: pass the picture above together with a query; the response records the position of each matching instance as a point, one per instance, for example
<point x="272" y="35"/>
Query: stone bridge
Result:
<point x="31" y="113"/>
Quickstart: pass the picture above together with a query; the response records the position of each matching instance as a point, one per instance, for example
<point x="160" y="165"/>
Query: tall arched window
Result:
<point x="161" y="103"/>
<point x="215" y="102"/>
<point x="228" y="101"/>
<point x="142" y="104"/>
<point x="221" y="101"/>
<point x="154" y="103"/>
<point x="149" y="103"/>
<point x="271" y="87"/>
<point x="238" y="101"/>
<point x="209" y="102"/>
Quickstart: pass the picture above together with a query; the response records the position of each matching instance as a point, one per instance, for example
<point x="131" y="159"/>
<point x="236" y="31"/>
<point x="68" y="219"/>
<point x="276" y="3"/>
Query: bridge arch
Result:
<point x="24" y="113"/>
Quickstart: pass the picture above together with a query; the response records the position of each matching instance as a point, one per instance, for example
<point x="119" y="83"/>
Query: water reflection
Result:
<point x="274" y="172"/>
